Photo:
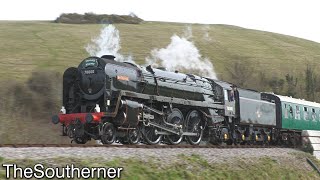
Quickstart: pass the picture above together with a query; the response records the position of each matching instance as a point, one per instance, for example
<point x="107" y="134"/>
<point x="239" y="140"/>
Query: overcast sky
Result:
<point x="292" y="17"/>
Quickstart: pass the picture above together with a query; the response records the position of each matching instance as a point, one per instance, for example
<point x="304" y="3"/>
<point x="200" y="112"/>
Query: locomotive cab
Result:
<point x="228" y="95"/>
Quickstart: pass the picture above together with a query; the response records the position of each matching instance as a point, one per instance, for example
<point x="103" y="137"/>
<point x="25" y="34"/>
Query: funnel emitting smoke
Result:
<point x="182" y="55"/>
<point x="107" y="43"/>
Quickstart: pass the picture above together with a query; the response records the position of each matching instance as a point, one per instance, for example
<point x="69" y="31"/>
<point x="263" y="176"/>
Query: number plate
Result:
<point x="89" y="71"/>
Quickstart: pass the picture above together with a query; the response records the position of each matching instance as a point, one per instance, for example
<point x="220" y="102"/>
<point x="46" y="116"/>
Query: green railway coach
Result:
<point x="295" y="114"/>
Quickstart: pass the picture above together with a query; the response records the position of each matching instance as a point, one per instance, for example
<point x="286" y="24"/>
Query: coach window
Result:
<point x="285" y="111"/>
<point x="291" y="111"/>
<point x="305" y="114"/>
<point x="313" y="115"/>
<point x="297" y="116"/>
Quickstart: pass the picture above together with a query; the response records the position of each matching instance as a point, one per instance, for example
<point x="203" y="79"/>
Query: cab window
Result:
<point x="226" y="97"/>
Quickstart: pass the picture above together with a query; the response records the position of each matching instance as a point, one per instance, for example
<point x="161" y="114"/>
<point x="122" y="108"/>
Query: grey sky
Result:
<point x="292" y="17"/>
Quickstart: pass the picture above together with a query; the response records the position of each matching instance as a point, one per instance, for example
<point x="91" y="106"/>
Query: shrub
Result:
<point x="39" y="97"/>
<point x="91" y="18"/>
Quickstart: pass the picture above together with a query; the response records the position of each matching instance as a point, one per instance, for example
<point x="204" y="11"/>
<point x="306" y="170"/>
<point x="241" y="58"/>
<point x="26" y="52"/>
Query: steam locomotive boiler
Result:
<point x="108" y="100"/>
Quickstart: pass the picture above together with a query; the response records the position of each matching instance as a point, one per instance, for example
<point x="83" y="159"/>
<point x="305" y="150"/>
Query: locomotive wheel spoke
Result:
<point x="109" y="134"/>
<point x="194" y="125"/>
<point x="150" y="135"/>
<point x="174" y="139"/>
<point x="134" y="136"/>
<point x="176" y="117"/>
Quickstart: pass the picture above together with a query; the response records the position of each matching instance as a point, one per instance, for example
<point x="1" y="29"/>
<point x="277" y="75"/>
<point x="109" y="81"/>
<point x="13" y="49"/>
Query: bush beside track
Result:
<point x="27" y="107"/>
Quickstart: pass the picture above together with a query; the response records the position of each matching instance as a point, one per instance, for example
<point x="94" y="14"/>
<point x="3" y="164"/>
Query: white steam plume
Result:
<point x="182" y="55"/>
<point x="107" y="43"/>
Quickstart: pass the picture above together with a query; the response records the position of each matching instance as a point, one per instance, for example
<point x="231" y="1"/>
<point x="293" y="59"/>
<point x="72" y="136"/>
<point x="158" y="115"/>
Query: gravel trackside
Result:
<point x="163" y="155"/>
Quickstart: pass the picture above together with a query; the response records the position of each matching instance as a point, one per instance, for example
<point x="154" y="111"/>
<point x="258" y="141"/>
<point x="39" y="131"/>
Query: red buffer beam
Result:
<point x="66" y="119"/>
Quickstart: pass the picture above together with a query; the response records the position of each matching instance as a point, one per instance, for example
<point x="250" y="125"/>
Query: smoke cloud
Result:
<point x="182" y="55"/>
<point x="107" y="43"/>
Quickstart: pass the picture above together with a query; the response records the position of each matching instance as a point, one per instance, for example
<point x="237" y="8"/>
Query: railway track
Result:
<point x="137" y="146"/>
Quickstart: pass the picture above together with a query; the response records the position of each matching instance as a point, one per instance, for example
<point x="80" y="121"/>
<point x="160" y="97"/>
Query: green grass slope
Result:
<point x="26" y="46"/>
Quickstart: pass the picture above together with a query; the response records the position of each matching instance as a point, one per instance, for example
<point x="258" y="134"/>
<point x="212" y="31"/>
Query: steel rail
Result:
<point x="137" y="146"/>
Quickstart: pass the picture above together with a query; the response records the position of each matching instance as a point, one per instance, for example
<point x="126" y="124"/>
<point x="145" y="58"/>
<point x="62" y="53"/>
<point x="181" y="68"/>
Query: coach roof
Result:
<point x="297" y="101"/>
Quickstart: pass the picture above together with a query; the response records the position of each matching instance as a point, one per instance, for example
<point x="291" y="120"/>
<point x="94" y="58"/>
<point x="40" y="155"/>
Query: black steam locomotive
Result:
<point x="119" y="101"/>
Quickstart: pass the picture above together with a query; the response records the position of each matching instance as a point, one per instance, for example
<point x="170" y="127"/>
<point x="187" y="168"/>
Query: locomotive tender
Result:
<point x="119" y="101"/>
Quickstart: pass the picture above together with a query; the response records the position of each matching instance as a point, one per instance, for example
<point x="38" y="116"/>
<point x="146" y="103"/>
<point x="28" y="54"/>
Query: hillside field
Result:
<point x="27" y="46"/>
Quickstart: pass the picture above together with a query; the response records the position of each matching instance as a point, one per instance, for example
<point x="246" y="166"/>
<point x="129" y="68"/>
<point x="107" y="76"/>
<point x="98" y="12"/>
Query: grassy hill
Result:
<point x="44" y="46"/>
<point x="27" y="46"/>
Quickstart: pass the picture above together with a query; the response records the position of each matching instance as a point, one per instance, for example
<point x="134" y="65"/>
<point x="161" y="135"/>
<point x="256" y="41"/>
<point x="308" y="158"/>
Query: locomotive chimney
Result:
<point x="111" y="57"/>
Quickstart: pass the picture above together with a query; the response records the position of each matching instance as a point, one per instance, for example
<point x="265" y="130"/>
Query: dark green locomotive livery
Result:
<point x="141" y="100"/>
<point x="119" y="101"/>
<point x="255" y="111"/>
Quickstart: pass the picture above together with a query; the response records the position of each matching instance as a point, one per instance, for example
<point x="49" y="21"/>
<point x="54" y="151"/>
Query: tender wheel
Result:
<point x="194" y="125"/>
<point x="109" y="134"/>
<point x="214" y="137"/>
<point x="176" y="117"/>
<point x="150" y="135"/>
<point x="134" y="136"/>
<point x="215" y="141"/>
<point x="252" y="139"/>
<point x="229" y="142"/>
